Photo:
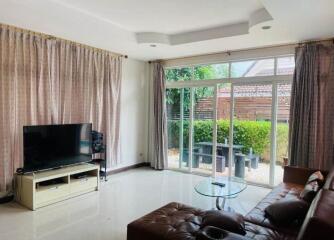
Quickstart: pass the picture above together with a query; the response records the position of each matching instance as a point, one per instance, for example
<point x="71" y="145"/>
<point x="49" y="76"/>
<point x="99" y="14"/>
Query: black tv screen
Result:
<point x="52" y="146"/>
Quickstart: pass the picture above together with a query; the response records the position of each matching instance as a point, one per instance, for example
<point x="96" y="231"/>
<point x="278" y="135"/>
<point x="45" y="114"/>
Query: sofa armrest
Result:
<point x="299" y="175"/>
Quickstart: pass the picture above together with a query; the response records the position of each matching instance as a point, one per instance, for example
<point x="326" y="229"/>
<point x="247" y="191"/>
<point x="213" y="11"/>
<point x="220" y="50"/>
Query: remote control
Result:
<point x="218" y="184"/>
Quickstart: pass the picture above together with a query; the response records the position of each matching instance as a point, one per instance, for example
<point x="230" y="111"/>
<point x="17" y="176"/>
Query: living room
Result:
<point x="166" y="120"/>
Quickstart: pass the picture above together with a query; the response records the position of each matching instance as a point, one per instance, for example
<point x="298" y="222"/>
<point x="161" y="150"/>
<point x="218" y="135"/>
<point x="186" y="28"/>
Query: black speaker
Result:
<point x="97" y="142"/>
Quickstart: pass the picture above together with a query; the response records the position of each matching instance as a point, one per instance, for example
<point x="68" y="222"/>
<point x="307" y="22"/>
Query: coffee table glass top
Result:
<point x="221" y="186"/>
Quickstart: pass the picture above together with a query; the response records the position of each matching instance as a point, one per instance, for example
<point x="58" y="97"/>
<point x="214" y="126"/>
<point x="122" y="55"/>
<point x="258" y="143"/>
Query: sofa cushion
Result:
<point x="319" y="221"/>
<point x="229" y="221"/>
<point x="310" y="191"/>
<point x="174" y="221"/>
<point x="313" y="185"/>
<point x="287" y="211"/>
<point x="282" y="191"/>
<point x="316" y="176"/>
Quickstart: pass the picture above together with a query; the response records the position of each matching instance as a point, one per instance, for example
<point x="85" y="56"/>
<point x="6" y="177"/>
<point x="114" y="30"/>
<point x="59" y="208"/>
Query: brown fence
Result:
<point x="245" y="108"/>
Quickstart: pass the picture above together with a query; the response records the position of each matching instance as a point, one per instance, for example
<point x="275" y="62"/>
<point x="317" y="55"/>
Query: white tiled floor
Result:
<point x="104" y="215"/>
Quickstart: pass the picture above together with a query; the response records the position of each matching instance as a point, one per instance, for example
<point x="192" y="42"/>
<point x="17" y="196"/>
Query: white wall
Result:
<point x="134" y="112"/>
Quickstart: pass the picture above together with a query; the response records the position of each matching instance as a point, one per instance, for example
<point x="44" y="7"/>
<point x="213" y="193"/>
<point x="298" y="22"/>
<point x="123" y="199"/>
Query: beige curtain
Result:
<point x="53" y="81"/>
<point x="312" y="108"/>
<point x="158" y="119"/>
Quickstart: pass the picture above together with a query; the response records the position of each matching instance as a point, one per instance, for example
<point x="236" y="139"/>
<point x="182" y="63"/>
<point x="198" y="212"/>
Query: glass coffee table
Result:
<point x="221" y="188"/>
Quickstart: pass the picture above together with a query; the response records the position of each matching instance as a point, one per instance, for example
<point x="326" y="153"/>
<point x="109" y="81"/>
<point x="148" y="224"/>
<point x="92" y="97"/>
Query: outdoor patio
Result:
<point x="259" y="175"/>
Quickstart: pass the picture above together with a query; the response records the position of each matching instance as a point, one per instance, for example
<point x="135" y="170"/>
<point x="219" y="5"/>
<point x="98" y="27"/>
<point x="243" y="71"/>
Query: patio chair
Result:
<point x="254" y="159"/>
<point x="185" y="157"/>
<point x="240" y="164"/>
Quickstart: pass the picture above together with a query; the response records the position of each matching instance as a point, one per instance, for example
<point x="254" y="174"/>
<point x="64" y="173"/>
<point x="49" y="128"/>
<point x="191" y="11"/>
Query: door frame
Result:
<point x="274" y="80"/>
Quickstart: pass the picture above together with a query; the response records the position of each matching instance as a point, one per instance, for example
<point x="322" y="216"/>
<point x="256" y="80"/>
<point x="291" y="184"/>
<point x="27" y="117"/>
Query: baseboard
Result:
<point x="123" y="169"/>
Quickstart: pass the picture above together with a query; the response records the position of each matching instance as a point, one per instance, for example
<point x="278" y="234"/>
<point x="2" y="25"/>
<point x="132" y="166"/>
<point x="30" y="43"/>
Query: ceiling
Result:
<point x="177" y="28"/>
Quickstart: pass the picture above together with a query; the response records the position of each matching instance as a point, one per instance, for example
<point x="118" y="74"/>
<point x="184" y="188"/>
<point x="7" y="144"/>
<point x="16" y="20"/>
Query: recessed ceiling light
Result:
<point x="266" y="27"/>
<point x="153" y="45"/>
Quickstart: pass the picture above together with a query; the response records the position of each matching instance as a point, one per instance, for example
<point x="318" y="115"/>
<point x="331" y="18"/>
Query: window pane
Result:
<point x="263" y="67"/>
<point x="238" y="69"/>
<point x="178" y="74"/>
<point x="285" y="65"/>
<point x="213" y="71"/>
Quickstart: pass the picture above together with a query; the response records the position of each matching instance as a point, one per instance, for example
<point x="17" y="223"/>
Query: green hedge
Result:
<point x="250" y="134"/>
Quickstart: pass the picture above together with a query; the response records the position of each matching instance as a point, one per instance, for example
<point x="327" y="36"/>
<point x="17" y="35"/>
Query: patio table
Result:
<point x="222" y="150"/>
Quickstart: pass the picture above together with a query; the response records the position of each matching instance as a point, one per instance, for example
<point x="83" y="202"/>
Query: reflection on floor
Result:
<point x="259" y="175"/>
<point x="104" y="215"/>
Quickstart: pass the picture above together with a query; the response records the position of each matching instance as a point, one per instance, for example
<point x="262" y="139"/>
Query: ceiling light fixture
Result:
<point x="266" y="27"/>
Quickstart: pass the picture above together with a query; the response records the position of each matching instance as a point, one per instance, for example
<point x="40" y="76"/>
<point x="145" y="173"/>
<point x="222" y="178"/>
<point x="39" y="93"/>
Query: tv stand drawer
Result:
<point x="52" y="193"/>
<point x="83" y="185"/>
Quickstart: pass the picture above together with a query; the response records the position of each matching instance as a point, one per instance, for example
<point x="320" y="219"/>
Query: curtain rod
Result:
<point x="317" y="41"/>
<point x="155" y="61"/>
<point x="230" y="52"/>
<point x="52" y="37"/>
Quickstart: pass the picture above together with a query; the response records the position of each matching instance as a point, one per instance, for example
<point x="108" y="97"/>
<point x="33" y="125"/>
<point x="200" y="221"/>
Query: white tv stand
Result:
<point x="36" y="190"/>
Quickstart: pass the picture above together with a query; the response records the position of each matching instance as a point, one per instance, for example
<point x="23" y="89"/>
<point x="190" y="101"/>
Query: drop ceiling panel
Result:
<point x="167" y="16"/>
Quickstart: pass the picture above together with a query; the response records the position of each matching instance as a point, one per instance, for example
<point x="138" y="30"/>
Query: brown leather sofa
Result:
<point x="176" y="221"/>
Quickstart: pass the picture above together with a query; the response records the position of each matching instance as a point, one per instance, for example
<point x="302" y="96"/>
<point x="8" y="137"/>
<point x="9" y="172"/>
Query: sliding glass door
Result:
<point x="282" y="130"/>
<point x="200" y="120"/>
<point x="223" y="113"/>
<point x="178" y="112"/>
<point x="230" y="119"/>
<point x="202" y="137"/>
<point x="252" y="126"/>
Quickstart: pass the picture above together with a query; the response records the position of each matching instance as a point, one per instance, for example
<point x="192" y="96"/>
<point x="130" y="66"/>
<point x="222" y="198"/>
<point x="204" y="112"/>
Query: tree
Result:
<point x="173" y="95"/>
<point x="178" y="74"/>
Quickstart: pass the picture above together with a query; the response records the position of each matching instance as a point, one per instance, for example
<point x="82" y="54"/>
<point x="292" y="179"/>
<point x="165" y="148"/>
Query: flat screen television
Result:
<point x="53" y="146"/>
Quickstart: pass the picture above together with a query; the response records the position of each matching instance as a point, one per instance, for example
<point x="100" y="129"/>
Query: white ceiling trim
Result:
<point x="257" y="19"/>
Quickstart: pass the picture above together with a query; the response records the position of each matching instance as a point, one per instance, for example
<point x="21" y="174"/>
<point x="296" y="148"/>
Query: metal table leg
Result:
<point x="220" y="206"/>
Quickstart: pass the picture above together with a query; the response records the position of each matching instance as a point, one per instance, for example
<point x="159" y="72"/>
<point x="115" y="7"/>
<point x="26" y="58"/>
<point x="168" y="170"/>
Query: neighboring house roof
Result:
<point x="265" y="67"/>
<point x="284" y="90"/>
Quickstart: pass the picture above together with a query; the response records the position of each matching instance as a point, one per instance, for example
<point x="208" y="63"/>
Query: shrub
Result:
<point x="250" y="134"/>
<point x="282" y="141"/>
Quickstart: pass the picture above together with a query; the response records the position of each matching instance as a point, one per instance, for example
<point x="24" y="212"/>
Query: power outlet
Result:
<point x="141" y="156"/>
